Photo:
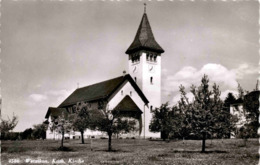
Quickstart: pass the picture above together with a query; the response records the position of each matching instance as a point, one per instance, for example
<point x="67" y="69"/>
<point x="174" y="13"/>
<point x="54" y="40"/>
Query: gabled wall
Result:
<point x="146" y="115"/>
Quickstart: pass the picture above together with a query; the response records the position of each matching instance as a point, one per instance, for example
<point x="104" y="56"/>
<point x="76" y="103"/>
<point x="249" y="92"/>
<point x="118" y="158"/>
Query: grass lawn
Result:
<point x="133" y="151"/>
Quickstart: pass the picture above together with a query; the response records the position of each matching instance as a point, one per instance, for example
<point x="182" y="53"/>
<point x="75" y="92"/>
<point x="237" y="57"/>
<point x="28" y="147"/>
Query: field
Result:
<point x="131" y="151"/>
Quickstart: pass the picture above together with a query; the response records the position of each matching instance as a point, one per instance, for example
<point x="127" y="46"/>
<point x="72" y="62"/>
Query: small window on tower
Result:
<point x="151" y="80"/>
<point x="135" y="79"/>
<point x="151" y="108"/>
<point x="130" y="93"/>
<point x="122" y="92"/>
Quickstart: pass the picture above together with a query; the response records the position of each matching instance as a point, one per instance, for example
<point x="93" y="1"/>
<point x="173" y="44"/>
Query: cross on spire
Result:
<point x="144" y="7"/>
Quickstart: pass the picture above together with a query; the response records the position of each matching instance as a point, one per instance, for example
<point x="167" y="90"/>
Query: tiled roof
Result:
<point x="144" y="39"/>
<point x="55" y="112"/>
<point x="102" y="90"/>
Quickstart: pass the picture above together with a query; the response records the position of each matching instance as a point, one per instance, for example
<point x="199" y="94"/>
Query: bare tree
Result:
<point x="63" y="125"/>
<point x="81" y="120"/>
<point x="7" y="125"/>
<point x="111" y="122"/>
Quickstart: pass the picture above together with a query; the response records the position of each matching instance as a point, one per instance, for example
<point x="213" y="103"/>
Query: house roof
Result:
<point x="102" y="90"/>
<point x="127" y="104"/>
<point x="253" y="94"/>
<point x="238" y="101"/>
<point x="144" y="39"/>
<point x="55" y="112"/>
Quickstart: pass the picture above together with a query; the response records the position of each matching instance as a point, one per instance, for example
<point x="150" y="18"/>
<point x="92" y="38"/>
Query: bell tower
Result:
<point x="144" y="65"/>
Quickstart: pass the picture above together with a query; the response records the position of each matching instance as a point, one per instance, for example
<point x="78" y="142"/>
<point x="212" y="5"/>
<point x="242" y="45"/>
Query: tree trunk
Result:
<point x="91" y="144"/>
<point x="163" y="135"/>
<point x="62" y="138"/>
<point x="82" y="137"/>
<point x="203" y="141"/>
<point x="168" y="140"/>
<point x="245" y="142"/>
<point x="109" y="141"/>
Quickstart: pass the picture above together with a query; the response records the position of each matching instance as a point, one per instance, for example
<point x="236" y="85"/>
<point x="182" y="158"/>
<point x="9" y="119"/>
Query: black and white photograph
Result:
<point x="129" y="82"/>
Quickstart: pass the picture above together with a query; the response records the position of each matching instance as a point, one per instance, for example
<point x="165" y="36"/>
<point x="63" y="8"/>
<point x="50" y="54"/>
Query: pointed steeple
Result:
<point x="144" y="39"/>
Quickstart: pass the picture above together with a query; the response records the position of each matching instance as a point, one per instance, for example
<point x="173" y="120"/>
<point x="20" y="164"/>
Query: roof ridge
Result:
<point x="98" y="90"/>
<point x="100" y="82"/>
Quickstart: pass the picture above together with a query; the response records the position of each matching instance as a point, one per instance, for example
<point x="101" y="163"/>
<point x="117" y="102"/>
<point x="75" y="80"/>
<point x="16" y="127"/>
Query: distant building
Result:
<point x="135" y="94"/>
<point x="237" y="108"/>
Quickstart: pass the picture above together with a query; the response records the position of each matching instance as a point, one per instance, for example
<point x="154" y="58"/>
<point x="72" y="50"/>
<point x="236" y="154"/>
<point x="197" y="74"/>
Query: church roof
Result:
<point x="127" y="104"/>
<point x="55" y="112"/>
<point x="102" y="90"/>
<point x="144" y="38"/>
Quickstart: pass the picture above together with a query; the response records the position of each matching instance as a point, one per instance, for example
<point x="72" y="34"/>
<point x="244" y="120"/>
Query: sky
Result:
<point x="48" y="48"/>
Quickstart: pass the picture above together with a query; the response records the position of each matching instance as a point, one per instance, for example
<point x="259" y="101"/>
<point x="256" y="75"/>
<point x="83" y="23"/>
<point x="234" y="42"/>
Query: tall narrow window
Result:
<point x="135" y="79"/>
<point x="122" y="92"/>
<point x="151" y="108"/>
<point x="130" y="93"/>
<point x="151" y="80"/>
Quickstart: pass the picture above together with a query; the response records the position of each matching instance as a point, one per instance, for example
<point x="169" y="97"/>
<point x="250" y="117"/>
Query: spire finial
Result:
<point x="144" y="7"/>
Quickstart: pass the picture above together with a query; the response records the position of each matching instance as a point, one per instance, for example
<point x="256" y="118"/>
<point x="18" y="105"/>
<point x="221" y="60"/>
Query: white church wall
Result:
<point x="127" y="88"/>
<point x="151" y="90"/>
<point x="146" y="115"/>
<point x="124" y="90"/>
<point x="54" y="135"/>
<point x="135" y="69"/>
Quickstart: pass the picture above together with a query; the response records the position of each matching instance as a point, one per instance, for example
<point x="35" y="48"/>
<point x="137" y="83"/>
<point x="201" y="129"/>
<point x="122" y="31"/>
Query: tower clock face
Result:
<point x="151" y="68"/>
<point x="135" y="69"/>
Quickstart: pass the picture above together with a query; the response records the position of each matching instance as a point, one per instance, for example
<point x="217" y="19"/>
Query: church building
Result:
<point x="135" y="94"/>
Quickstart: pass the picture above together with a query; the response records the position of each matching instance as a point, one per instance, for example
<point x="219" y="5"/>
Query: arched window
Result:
<point x="122" y="92"/>
<point x="130" y="93"/>
<point x="151" y="80"/>
<point x="151" y="108"/>
<point x="135" y="79"/>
